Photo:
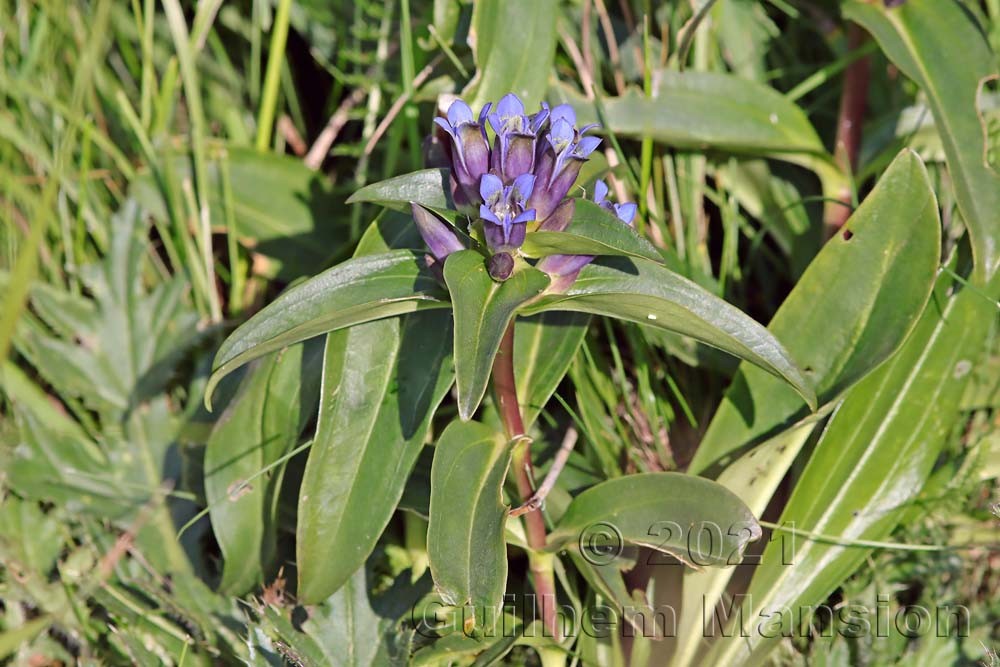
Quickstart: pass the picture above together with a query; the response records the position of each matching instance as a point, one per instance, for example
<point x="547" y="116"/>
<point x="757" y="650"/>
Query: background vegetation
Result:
<point x="166" y="168"/>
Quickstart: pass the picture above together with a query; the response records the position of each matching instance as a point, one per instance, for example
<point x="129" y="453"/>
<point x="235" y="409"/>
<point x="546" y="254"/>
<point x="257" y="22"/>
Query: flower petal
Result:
<point x="484" y="113"/>
<point x="491" y="188"/>
<point x="586" y="146"/>
<point x="525" y="216"/>
<point x="523" y="185"/>
<point x="563" y="112"/>
<point x="488" y="215"/>
<point x="445" y="125"/>
<point x="626" y="212"/>
<point x="459" y="112"/>
<point x="510" y="105"/>
<point x="600" y="191"/>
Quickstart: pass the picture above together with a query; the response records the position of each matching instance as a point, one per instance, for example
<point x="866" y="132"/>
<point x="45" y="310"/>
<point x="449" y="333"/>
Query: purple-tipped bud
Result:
<point x="469" y="150"/>
<point x="563" y="270"/>
<point x="437" y="234"/>
<point x="501" y="265"/>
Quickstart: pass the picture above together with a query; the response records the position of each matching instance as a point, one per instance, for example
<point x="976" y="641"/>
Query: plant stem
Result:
<point x="849" y="122"/>
<point x="540" y="563"/>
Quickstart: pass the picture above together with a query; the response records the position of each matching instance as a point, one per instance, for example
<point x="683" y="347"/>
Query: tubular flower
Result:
<point x="524" y="177"/>
<point x="516" y="135"/>
<point x="624" y="212"/>
<point x="560" y="158"/>
<point x="469" y="149"/>
<point x="564" y="269"/>
<point x="504" y="212"/>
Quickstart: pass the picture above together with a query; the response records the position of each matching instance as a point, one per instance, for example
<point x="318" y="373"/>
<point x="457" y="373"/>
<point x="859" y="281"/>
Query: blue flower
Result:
<point x="469" y="150"/>
<point x="563" y="153"/>
<point x="564" y="269"/>
<point x="504" y="213"/>
<point x="625" y="212"/>
<point x="516" y="135"/>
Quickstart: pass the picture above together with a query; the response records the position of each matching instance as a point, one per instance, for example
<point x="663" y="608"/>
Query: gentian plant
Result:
<point x="506" y="236"/>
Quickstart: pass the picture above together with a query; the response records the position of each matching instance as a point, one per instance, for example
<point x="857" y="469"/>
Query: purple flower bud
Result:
<point x="563" y="269"/>
<point x="437" y="234"/>
<point x="501" y="265"/>
<point x="470" y="152"/>
<point x="504" y="214"/>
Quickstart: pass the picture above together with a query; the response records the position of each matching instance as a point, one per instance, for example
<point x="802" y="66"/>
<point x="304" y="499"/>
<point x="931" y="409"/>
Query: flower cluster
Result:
<point x="517" y="185"/>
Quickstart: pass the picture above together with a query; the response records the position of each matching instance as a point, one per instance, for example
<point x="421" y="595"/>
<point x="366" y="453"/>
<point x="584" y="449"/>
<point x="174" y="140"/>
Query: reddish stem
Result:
<point x="849" y="124"/>
<point x="506" y="396"/>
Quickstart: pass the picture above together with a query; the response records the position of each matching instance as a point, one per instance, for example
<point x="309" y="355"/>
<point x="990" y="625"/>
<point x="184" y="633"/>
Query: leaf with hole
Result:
<point x="853" y="307"/>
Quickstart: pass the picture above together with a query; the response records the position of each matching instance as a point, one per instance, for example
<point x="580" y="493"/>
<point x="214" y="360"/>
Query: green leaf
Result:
<point x="355" y="627"/>
<point x="694" y="519"/>
<point x="715" y="111"/>
<point x="514" y="43"/>
<point x="853" y="307"/>
<point x="696" y="110"/>
<point x="263" y="419"/>
<point x="358" y="290"/>
<point x="382" y="384"/>
<point x="465" y="540"/>
<point x="483" y="308"/>
<point x="429" y="187"/>
<point x="594" y="231"/>
<point x="544" y="348"/>
<point x="284" y="210"/>
<point x="753" y="478"/>
<point x="870" y="463"/>
<point x="646" y="293"/>
<point x="920" y="37"/>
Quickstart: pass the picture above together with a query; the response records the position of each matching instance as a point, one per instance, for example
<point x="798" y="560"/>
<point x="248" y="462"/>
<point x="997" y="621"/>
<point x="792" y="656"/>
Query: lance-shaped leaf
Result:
<point x="594" y="231"/>
<point x="428" y="187"/>
<point x="483" y="308"/>
<point x="512" y="60"/>
<point x="544" y="347"/>
<point x="646" y="293"/>
<point x="694" y="519"/>
<point x="920" y="37"/>
<point x="358" y="290"/>
<point x="868" y="467"/>
<point x="382" y="383"/>
<point x="853" y="307"/>
<point x="465" y="541"/>
<point x="262" y="420"/>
